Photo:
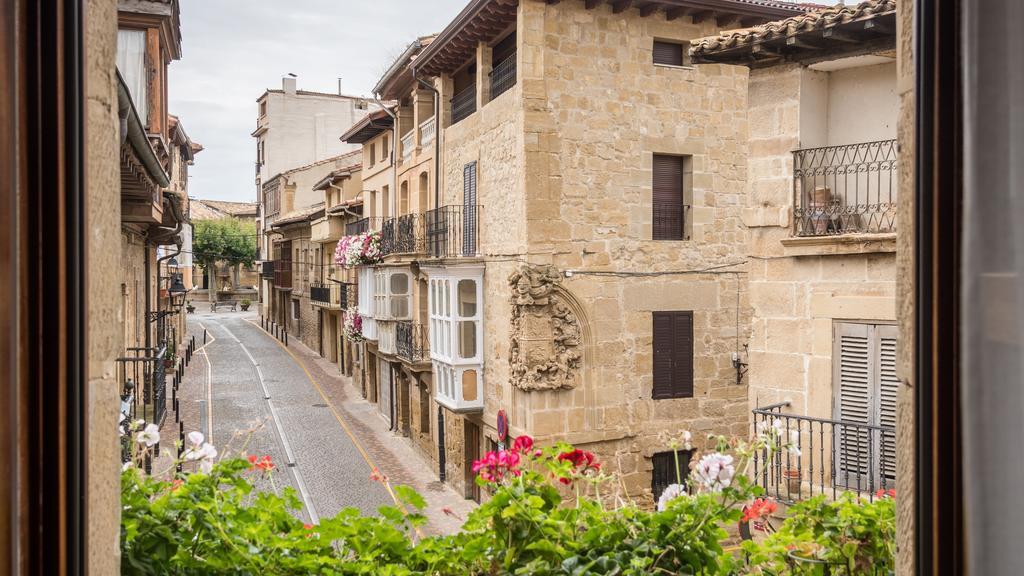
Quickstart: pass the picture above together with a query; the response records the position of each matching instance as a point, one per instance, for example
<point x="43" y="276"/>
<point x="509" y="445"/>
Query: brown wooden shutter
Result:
<point x="673" y="355"/>
<point x="668" y="53"/>
<point x="667" y="197"/>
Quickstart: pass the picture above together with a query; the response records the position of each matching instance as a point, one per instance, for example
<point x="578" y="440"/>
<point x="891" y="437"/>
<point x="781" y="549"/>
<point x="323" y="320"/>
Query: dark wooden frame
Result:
<point x="938" y="498"/>
<point x="42" y="249"/>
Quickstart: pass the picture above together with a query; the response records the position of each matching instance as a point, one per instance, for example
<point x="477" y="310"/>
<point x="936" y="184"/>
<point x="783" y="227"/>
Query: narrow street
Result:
<point x="253" y="396"/>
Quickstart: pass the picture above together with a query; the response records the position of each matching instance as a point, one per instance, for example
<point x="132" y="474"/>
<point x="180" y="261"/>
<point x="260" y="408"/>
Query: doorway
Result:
<point x="472" y="439"/>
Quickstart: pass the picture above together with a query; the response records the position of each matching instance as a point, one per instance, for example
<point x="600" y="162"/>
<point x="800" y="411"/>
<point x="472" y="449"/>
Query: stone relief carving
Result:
<point x="546" y="334"/>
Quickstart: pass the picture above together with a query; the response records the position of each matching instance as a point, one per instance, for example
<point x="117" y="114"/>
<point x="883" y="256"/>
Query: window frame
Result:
<point x="684" y="53"/>
<point x="681" y="384"/>
<point x="683" y="195"/>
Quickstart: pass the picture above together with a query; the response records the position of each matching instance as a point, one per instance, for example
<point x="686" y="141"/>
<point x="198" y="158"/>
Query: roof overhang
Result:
<point x="336" y="176"/>
<point x="302" y="218"/>
<point x="484" y="20"/>
<point x="825" y="35"/>
<point x="398" y="74"/>
<point x="369" y="127"/>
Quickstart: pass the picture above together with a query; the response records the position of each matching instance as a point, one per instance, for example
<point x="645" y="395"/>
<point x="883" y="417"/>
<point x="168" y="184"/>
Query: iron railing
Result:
<point x="464" y="103"/>
<point x="453" y="231"/>
<point x="329" y="294"/>
<point x="503" y="76"/>
<point x="361" y="226"/>
<point x="668" y="221"/>
<point x="845" y="189"/>
<point x="828" y="456"/>
<point x="412" y="342"/>
<point x="267" y="269"/>
<point x="142" y="376"/>
<point x="402" y="235"/>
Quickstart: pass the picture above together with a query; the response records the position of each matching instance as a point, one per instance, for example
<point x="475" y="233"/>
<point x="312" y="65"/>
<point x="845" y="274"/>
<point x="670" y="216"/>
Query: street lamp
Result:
<point x="177" y="291"/>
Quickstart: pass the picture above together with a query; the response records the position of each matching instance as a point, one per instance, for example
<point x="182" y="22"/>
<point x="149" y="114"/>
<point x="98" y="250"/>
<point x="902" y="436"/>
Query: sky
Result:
<point x="233" y="50"/>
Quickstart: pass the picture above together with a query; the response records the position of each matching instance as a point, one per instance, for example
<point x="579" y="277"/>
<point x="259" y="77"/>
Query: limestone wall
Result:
<point x="105" y="331"/>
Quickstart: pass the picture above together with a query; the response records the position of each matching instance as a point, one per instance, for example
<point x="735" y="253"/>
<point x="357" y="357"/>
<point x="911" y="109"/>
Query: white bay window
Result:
<point x="456" y="335"/>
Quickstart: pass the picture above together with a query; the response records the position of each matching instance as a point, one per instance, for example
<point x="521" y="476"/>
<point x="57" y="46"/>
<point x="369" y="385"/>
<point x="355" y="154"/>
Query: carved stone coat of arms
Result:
<point x="545" y="345"/>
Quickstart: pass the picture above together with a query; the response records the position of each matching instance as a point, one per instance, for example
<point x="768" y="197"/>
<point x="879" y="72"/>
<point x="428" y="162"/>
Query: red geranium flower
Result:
<point x="882" y="493"/>
<point x="263" y="464"/>
<point x="758" y="509"/>
<point x="522" y="444"/>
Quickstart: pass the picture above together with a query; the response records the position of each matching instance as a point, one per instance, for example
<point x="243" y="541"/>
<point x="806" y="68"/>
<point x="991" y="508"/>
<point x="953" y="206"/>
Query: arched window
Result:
<point x="424" y="192"/>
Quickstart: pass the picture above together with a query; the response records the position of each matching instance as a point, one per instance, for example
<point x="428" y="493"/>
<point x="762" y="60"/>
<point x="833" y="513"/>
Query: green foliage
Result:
<point x="850" y="535"/>
<point x="226" y="239"/>
<point x="545" y="516"/>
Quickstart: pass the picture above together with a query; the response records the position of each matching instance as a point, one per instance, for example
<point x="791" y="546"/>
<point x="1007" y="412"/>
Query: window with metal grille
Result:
<point x="664" y="472"/>
<point x="669" y="183"/>
<point x="673" y="355"/>
<point x="671" y="53"/>
<point x="866" y="387"/>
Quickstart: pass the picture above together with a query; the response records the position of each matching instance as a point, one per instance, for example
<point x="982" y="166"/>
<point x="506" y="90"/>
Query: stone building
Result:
<point x="155" y="154"/>
<point x="584" y="258"/>
<point x="240" y="277"/>
<point x="820" y="213"/>
<point x="298" y="128"/>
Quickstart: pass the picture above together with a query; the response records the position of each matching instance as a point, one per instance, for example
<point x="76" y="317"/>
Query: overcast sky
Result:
<point x="233" y="50"/>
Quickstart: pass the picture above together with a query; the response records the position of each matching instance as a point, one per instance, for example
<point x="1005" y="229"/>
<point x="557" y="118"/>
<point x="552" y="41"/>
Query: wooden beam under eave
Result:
<point x="591" y="4"/>
<point x="834" y="33"/>
<point x="798" y="42"/>
<point x="621" y="6"/>
<point x="762" y="50"/>
<point x="648" y="9"/>
<point x="729" y="22"/>
<point x="702" y="15"/>
<point x="673" y="13"/>
<point x="552" y="2"/>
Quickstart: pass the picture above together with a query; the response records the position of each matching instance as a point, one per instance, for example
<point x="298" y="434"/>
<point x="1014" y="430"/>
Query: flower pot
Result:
<point x="169" y="363"/>
<point x="792" y="476"/>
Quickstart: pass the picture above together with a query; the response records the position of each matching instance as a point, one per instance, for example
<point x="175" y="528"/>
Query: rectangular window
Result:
<point x="384" y="149"/>
<point x="673" y="355"/>
<point x="131" y="63"/>
<point x="671" y="53"/>
<point x="373" y="154"/>
<point x="664" y="472"/>
<point x="425" y="411"/>
<point x="667" y="197"/>
<point x="263" y="108"/>
<point x="296" y="311"/>
<point x="865" y="384"/>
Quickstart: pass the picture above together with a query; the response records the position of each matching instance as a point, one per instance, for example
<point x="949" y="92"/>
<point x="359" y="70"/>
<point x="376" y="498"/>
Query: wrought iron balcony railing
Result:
<point x="402" y="235"/>
<point x="845" y="189"/>
<point x="453" y="231"/>
<point x="830" y="456"/>
<point x="142" y="376"/>
<point x="329" y="295"/>
<point x="412" y="342"/>
<point x="503" y="76"/>
<point x="464" y="103"/>
<point x="361" y="226"/>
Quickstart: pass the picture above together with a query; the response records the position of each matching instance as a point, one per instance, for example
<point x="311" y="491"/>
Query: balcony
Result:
<point x="362" y="226"/>
<point x="503" y="76"/>
<point x="464" y="103"/>
<point x="267" y="269"/>
<point x="402" y="235"/>
<point x="845" y="189"/>
<point x="142" y="376"/>
<point x="330" y="295"/>
<point x="282" y="273"/>
<point x="411" y="342"/>
<point x="669" y="221"/>
<point x="428" y="131"/>
<point x="408" y="145"/>
<point x="834" y="456"/>
<point x="452" y="231"/>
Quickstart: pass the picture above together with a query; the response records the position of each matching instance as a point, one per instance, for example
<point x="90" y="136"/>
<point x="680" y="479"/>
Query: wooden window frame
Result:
<point x="669" y="223"/>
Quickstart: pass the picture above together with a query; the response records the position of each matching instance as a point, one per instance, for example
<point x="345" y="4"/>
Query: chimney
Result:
<point x="288" y="85"/>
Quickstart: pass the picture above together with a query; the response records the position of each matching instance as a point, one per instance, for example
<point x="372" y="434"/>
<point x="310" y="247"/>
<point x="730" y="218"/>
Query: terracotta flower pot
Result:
<point x="792" y="476"/>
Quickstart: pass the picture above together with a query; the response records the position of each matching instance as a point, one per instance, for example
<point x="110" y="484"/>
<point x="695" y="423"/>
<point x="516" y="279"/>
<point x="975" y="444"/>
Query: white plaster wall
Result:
<point x="814" y="108"/>
<point x="862" y="104"/>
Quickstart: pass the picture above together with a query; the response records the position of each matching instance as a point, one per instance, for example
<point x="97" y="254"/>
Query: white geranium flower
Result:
<point x="149" y="436"/>
<point x="127" y="465"/>
<point x="206" y="466"/>
<point x="687" y="440"/>
<point x="196" y="438"/>
<point x="715" y="471"/>
<point x="671" y="492"/>
<point x="794" y="443"/>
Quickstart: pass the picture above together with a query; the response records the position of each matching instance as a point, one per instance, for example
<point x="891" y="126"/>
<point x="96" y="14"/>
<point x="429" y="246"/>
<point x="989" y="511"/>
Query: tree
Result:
<point x="223" y="240"/>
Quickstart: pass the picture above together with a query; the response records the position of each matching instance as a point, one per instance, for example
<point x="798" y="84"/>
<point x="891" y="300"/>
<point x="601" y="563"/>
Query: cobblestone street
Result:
<point x="251" y="395"/>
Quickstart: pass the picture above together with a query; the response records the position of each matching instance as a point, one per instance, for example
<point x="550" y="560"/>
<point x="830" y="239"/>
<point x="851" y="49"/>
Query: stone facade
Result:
<point x="564" y="164"/>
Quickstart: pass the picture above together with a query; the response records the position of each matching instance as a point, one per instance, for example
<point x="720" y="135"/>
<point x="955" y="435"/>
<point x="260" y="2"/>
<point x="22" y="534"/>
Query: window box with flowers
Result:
<point x="358" y="250"/>
<point x="352" y="325"/>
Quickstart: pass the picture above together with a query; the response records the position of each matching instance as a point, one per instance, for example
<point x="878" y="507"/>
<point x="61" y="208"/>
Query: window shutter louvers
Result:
<point x="664" y="471"/>
<point x="668" y="53"/>
<point x="667" y="197"/>
<point x="663" y="352"/>
<point x="888" y="388"/>
<point x="673" y="355"/>
<point x="469" y="209"/>
<point x="854" y="400"/>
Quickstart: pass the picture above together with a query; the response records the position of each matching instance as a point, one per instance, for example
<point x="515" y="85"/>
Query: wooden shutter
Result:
<point x="668" y="53"/>
<point x="888" y="388"/>
<point x="469" y="214"/>
<point x="664" y="471"/>
<point x="673" y="355"/>
<point x="667" y="197"/>
<point x="853" y="400"/>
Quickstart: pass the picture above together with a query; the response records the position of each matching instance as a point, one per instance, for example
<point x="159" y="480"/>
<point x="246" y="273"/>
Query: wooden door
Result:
<point x="472" y="440"/>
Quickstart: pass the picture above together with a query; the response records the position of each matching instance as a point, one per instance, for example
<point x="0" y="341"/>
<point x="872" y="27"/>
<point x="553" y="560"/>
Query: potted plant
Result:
<point x="169" y="357"/>
<point x="792" y="476"/>
<point x="245" y="303"/>
<point x="190" y="307"/>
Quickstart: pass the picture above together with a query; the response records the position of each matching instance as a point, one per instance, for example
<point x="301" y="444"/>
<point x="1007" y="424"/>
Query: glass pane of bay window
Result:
<point x="467" y="339"/>
<point x="467" y="298"/>
<point x="469" y="386"/>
